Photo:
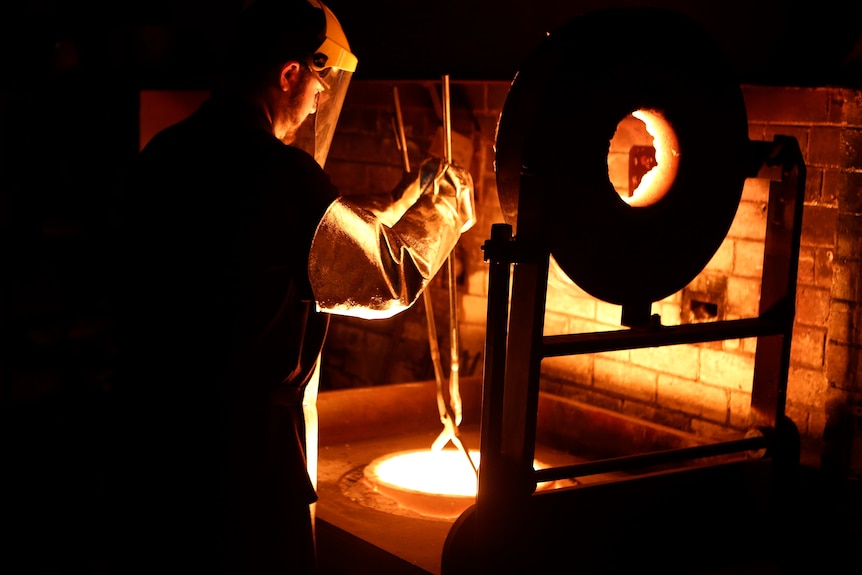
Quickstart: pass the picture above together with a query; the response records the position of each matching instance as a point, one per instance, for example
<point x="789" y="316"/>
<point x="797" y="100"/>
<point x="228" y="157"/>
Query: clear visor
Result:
<point x="315" y="134"/>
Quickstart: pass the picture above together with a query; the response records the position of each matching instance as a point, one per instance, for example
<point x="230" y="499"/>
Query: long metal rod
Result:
<point x="573" y="344"/>
<point x="450" y="417"/>
<point x="649" y="459"/>
<point x="429" y="308"/>
<point x="447" y="121"/>
<point x="454" y="337"/>
<point x="402" y="138"/>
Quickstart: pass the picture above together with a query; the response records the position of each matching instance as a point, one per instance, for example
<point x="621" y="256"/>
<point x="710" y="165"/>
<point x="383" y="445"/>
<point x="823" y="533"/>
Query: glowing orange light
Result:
<point x="655" y="183"/>
<point x="444" y="472"/>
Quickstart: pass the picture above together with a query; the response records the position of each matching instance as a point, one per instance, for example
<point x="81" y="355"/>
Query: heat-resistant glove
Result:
<point x="373" y="261"/>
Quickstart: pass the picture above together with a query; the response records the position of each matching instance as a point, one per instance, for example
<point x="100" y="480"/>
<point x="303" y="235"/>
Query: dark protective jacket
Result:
<point x="232" y="242"/>
<point x="218" y="331"/>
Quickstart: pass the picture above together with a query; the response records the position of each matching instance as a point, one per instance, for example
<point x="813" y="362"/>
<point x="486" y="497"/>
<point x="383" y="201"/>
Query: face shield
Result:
<point x="333" y="64"/>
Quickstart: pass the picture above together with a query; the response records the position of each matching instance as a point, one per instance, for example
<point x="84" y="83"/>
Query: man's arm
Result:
<point x="363" y="265"/>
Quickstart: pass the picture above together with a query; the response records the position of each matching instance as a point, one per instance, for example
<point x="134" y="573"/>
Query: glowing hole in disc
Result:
<point x="650" y="176"/>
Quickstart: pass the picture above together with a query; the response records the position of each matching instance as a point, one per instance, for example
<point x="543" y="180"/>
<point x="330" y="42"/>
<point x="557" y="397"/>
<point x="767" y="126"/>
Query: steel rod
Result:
<point x="649" y="459"/>
<point x="426" y="294"/>
<point x="447" y="122"/>
<point x="454" y="337"/>
<point x="402" y="138"/>
<point x="573" y="344"/>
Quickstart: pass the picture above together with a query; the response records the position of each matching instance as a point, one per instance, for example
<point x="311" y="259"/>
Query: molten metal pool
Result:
<point x="432" y="483"/>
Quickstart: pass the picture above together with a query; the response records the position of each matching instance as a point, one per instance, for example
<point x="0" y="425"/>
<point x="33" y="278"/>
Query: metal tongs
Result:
<point x="448" y="400"/>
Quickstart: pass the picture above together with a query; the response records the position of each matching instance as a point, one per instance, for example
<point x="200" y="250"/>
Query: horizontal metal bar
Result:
<point x="593" y="342"/>
<point x="649" y="459"/>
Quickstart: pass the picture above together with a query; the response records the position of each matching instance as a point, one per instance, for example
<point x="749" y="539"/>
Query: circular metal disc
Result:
<point x="554" y="135"/>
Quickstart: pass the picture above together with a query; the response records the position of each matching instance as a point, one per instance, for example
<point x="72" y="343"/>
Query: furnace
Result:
<point x="630" y="248"/>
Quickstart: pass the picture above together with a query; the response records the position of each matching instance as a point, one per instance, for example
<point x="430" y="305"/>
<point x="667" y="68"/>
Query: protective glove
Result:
<point x="373" y="263"/>
<point x="431" y="178"/>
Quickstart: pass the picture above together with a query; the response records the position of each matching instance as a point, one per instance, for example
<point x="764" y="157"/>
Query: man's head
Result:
<point x="295" y="54"/>
<point x="269" y="33"/>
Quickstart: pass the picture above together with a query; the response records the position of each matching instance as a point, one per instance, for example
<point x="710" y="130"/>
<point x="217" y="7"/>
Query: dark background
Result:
<point x="176" y="42"/>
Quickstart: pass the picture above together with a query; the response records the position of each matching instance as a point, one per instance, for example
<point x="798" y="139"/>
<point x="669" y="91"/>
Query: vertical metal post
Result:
<point x="778" y="287"/>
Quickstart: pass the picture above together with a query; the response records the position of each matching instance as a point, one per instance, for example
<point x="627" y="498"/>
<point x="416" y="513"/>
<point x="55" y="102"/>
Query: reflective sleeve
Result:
<point x="374" y="263"/>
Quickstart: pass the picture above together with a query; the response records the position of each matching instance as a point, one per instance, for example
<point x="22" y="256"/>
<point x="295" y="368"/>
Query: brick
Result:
<point x="570" y="368"/>
<point x="624" y="379"/>
<point x="823" y="268"/>
<point x="748" y="258"/>
<point x="474" y="309"/>
<point x="815" y="192"/>
<point x="818" y="226"/>
<point x="669" y="313"/>
<point x="570" y="304"/>
<point x="816" y="426"/>
<point x="755" y="190"/>
<point x="743" y="296"/>
<point x="807" y="346"/>
<point x="686" y="395"/>
<point x="728" y="370"/>
<point x="679" y="360"/>
<point x="749" y="345"/>
<point x="750" y="221"/>
<point x="664" y="417"/>
<point x="842" y="363"/>
<point x="477" y="281"/>
<point x="707" y="282"/>
<point x="711" y="430"/>
<point x="740" y="409"/>
<point x="849" y="236"/>
<point x="806" y="265"/>
<point x="848" y="280"/>
<point x="844" y="322"/>
<point x="732" y="345"/>
<point x="846" y="187"/>
<point x="799" y="415"/>
<point x="778" y="104"/>
<point x="722" y="260"/>
<point x="806" y="387"/>
<point x="812" y="306"/>
<point x="851" y="107"/>
<point x="757" y="131"/>
<point x="608" y="313"/>
<point x="581" y="325"/>
<point x="815" y="268"/>
<point x="555" y="324"/>
<point x="826" y="147"/>
<point x="851" y="149"/>
<point x="838" y="106"/>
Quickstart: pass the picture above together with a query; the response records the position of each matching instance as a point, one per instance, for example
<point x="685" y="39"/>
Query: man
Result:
<point x="236" y="247"/>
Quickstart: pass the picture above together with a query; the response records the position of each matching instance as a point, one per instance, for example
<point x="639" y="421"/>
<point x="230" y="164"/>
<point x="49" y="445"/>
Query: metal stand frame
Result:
<point x="491" y="535"/>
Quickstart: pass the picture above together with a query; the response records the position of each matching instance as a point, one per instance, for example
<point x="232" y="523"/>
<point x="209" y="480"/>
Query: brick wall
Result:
<point x="705" y="388"/>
